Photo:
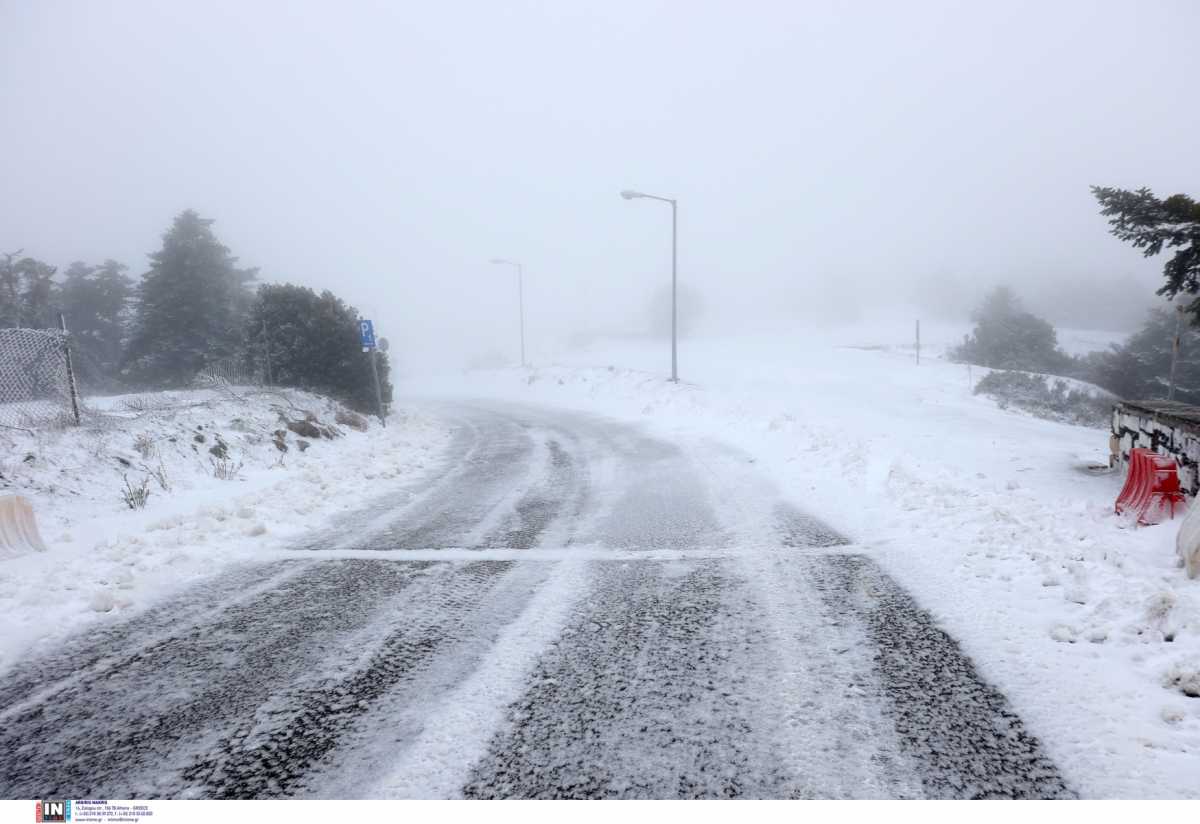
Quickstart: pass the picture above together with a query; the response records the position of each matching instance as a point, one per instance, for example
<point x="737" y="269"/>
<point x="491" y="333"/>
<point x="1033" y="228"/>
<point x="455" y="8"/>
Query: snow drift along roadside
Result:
<point x="226" y="479"/>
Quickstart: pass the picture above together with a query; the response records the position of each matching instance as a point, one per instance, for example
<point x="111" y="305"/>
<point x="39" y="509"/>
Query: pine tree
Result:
<point x="1152" y="224"/>
<point x="96" y="302"/>
<point x="10" y="290"/>
<point x="313" y="344"/>
<point x="1140" y="368"/>
<point x="39" y="297"/>
<point x="1008" y="337"/>
<point x="28" y="293"/>
<point x="192" y="306"/>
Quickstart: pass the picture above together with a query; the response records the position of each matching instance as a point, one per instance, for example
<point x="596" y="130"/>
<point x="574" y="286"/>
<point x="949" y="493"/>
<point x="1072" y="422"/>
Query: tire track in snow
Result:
<point x="644" y="696"/>
<point x="272" y="753"/>
<point x="123" y="735"/>
<point x="959" y="729"/>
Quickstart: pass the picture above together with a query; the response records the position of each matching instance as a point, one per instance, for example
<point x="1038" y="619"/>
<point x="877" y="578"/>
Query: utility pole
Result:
<point x="520" y="297"/>
<point x="674" y="292"/>
<point x="630" y="194"/>
<point x="1175" y="347"/>
<point x="521" y="307"/>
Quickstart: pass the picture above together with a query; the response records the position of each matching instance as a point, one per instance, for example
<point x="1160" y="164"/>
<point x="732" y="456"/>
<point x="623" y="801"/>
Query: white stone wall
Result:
<point x="1136" y="428"/>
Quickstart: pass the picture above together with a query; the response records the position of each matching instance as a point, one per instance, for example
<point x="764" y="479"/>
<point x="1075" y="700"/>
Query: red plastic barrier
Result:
<point x="1151" y="488"/>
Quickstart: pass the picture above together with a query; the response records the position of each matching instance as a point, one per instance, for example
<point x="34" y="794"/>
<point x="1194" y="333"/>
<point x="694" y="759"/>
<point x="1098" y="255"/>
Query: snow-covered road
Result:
<point x="572" y="608"/>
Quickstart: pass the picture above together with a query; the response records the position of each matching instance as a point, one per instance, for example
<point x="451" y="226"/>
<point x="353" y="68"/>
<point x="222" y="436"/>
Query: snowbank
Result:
<point x="999" y="522"/>
<point x="221" y="491"/>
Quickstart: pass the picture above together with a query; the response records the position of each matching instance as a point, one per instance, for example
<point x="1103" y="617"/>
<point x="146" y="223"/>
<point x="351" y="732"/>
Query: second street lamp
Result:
<point x="520" y="298"/>
<point x="629" y="194"/>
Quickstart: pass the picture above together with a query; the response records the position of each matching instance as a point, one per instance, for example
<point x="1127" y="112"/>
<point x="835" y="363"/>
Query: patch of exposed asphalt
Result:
<point x="959" y="729"/>
<point x="798" y="529"/>
<point x="541" y="506"/>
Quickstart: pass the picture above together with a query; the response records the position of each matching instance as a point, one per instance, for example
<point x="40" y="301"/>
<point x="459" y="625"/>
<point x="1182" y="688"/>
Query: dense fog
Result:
<point x="830" y="160"/>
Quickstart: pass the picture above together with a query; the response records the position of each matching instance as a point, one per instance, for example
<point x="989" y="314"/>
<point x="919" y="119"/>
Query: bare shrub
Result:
<point x="1057" y="401"/>
<point x="135" y="497"/>
<point x="158" y="473"/>
<point x="225" y="469"/>
<point x="144" y="446"/>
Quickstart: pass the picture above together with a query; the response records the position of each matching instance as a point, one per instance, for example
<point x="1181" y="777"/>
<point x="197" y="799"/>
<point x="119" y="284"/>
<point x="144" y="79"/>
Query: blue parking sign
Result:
<point x="366" y="331"/>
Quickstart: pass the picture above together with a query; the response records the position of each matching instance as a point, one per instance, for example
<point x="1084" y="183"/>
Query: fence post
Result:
<point x="62" y="324"/>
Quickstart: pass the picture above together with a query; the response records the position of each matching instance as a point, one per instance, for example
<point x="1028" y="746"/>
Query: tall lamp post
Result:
<point x="629" y="194"/>
<point x="520" y="298"/>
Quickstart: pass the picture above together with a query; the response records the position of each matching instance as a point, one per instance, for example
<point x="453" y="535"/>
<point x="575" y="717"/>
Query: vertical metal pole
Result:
<point x="62" y="324"/>
<point x="918" y="343"/>
<point x="1175" y="350"/>
<point x="674" y="284"/>
<point x="521" y="306"/>
<point x="267" y="352"/>
<point x="378" y="390"/>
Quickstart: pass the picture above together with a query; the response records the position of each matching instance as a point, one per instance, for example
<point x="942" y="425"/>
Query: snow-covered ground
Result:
<point x="997" y="521"/>
<point x="106" y="560"/>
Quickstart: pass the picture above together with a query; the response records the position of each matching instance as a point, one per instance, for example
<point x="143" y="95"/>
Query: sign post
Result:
<point x="366" y="334"/>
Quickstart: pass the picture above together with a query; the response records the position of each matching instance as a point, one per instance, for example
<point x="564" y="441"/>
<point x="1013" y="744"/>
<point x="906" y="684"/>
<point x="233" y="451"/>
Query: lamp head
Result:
<point x="629" y="194"/>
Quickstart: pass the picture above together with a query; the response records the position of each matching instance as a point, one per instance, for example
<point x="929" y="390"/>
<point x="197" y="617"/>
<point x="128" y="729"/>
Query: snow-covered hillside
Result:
<point x="999" y="522"/>
<point x="230" y="475"/>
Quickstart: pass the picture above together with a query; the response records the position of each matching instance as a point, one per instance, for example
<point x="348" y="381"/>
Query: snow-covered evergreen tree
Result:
<point x="191" y="308"/>
<point x="1008" y="337"/>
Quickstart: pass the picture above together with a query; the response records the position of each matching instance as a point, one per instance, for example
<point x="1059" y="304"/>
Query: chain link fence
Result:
<point x="36" y="387"/>
<point x="40" y="388"/>
<point x="232" y="371"/>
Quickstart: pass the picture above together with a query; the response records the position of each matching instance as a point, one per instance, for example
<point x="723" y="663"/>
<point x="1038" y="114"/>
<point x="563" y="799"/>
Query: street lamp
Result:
<point x="520" y="298"/>
<point x="629" y="194"/>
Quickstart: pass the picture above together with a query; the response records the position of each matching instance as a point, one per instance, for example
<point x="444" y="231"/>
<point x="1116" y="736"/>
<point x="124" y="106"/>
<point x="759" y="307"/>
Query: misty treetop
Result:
<point x="1008" y="337"/>
<point x="192" y="305"/>
<point x="1152" y="225"/>
<point x="97" y="303"/>
<point x="28" y="293"/>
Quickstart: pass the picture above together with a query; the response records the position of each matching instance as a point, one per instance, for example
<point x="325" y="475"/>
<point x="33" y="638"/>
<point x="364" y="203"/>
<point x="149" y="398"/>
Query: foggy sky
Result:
<point x="891" y="153"/>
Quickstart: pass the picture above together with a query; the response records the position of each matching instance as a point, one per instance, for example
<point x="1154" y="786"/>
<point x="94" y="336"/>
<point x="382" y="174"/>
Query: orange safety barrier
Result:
<point x="1151" y="488"/>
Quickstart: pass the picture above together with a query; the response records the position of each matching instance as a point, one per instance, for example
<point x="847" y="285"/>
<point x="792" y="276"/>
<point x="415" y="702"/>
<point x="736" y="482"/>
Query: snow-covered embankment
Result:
<point x="229" y="476"/>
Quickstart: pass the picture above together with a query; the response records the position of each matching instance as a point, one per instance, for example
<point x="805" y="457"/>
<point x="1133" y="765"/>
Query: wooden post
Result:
<point x="918" y="343"/>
